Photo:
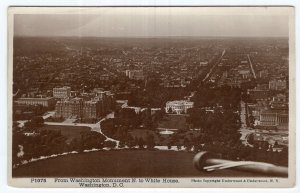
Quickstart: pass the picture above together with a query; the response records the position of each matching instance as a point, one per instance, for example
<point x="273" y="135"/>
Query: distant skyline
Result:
<point x="151" y="23"/>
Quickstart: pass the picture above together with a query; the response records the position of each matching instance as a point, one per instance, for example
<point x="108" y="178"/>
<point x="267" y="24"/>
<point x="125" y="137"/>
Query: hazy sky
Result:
<point x="110" y="23"/>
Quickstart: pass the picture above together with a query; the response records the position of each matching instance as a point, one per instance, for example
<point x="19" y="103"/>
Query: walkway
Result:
<point x="93" y="126"/>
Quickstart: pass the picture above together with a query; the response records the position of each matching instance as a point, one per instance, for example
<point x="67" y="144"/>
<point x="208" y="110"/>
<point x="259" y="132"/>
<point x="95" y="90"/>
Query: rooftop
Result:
<point x="179" y="102"/>
<point x="30" y="98"/>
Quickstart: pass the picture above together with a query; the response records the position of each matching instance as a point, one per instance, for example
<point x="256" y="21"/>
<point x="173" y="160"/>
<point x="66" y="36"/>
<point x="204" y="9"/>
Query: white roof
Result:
<point x="180" y="102"/>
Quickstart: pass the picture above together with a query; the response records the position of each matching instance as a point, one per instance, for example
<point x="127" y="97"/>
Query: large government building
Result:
<point x="178" y="107"/>
<point x="271" y="118"/>
<point x="62" y="92"/>
<point x="99" y="104"/>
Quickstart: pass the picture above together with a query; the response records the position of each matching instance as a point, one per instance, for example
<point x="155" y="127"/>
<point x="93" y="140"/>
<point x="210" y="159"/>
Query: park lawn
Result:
<point x="173" y="122"/>
<point x="70" y="132"/>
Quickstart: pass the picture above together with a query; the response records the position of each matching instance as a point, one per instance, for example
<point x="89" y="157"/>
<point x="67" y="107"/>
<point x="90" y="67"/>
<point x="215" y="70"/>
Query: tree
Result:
<point x="276" y="144"/>
<point x="109" y="144"/>
<point x="141" y="143"/>
<point x="136" y="141"/>
<point x="197" y="147"/>
<point x="74" y="145"/>
<point x="35" y="122"/>
<point x="147" y="119"/>
<point x="130" y="142"/>
<point x="251" y="120"/>
<point x="251" y="139"/>
<point x="196" y="117"/>
<point x="187" y="144"/>
<point x="92" y="139"/>
<point x="169" y="145"/>
<point x="150" y="141"/>
<point x="129" y="117"/>
<point x="121" y="144"/>
<point x="38" y="120"/>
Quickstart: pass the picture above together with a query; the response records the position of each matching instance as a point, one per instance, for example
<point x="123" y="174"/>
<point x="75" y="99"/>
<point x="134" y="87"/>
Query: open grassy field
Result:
<point x="122" y="163"/>
<point x="173" y="122"/>
<point x="70" y="132"/>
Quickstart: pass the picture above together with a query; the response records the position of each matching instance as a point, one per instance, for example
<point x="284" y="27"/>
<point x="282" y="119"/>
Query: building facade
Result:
<point x="63" y="92"/>
<point x="46" y="102"/>
<point x="77" y="107"/>
<point x="135" y="74"/>
<point x="269" y="118"/>
<point x="69" y="108"/>
<point x="258" y="94"/>
<point x="91" y="109"/>
<point x="277" y="85"/>
<point x="178" y="107"/>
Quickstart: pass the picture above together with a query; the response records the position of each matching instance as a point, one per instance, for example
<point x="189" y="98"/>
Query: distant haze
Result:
<point x="138" y="23"/>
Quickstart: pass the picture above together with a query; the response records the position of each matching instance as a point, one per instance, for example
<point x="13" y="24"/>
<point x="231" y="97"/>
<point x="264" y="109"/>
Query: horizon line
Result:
<point x="146" y="37"/>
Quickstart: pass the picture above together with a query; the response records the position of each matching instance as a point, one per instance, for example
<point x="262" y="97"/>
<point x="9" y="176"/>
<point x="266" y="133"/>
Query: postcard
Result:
<point x="151" y="97"/>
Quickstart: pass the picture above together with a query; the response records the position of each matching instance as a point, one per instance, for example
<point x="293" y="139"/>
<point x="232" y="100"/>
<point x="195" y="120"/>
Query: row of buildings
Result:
<point x="46" y="101"/>
<point x="43" y="101"/>
<point x="67" y="105"/>
<point x="273" y="118"/>
<point x="91" y="106"/>
<point x="269" y="111"/>
<point x="62" y="92"/>
<point x="135" y="74"/>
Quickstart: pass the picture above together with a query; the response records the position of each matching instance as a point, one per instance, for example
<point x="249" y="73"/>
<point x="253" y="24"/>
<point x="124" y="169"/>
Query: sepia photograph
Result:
<point x="151" y="97"/>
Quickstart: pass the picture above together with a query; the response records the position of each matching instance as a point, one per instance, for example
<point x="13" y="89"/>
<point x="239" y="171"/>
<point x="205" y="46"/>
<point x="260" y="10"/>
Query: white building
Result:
<point x="277" y="85"/>
<point x="178" y="107"/>
<point x="135" y="74"/>
<point x="62" y="92"/>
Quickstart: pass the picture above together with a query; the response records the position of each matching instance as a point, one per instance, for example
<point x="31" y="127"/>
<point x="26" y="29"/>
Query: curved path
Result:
<point x="94" y="127"/>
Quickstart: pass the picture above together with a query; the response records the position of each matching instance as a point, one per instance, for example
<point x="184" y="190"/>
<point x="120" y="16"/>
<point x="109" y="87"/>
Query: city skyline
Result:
<point x="151" y="23"/>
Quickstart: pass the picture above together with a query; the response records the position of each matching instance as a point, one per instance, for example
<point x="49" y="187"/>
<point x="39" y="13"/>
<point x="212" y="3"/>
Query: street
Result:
<point x="245" y="131"/>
